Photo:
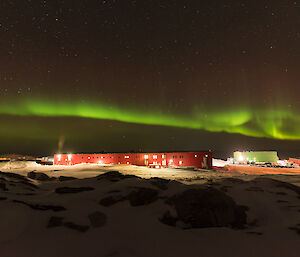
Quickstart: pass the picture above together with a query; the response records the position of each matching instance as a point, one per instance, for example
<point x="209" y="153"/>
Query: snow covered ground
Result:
<point x="122" y="215"/>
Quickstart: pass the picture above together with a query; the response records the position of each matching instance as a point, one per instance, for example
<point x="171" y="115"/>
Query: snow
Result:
<point x="137" y="231"/>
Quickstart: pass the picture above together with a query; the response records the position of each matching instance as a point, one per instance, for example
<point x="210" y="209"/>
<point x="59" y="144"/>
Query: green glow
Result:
<point x="271" y="123"/>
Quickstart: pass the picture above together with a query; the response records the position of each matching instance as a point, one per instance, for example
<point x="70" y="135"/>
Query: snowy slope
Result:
<point x="83" y="227"/>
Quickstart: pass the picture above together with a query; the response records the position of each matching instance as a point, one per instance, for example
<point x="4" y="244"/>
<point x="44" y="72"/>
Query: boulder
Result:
<point x="65" y="178"/>
<point x="160" y="183"/>
<point x="41" y="207"/>
<point x="79" y="228"/>
<point x="142" y="196"/>
<point x="111" y="200"/>
<point x="205" y="207"/>
<point x="114" y="176"/>
<point x="72" y="190"/>
<point x="55" y="221"/>
<point x="39" y="176"/>
<point x="3" y="186"/>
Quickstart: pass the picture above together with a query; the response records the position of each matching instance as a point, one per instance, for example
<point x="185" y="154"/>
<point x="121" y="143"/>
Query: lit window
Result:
<point x="89" y="157"/>
<point x="180" y="162"/>
<point x="69" y="157"/>
<point x="59" y="157"/>
<point x="163" y="156"/>
<point x="154" y="156"/>
<point x="146" y="156"/>
<point x="206" y="155"/>
<point x="126" y="157"/>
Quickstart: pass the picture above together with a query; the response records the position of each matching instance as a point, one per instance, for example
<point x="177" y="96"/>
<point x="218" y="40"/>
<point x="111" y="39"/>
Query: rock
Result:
<point x="142" y="196"/>
<point x="13" y="175"/>
<point x="254" y="233"/>
<point x="207" y="207"/>
<point x="79" y="228"/>
<point x="39" y="176"/>
<point x="72" y="190"/>
<point x="168" y="219"/>
<point x="254" y="189"/>
<point x="137" y="197"/>
<point x="42" y="207"/>
<point x="3" y="186"/>
<point x="65" y="178"/>
<point x="114" y="176"/>
<point x="111" y="200"/>
<point x="160" y="183"/>
<point x="27" y="183"/>
<point x="55" y="221"/>
<point x="296" y="229"/>
<point x="97" y="219"/>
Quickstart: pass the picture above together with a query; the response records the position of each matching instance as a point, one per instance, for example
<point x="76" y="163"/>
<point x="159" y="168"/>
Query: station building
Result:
<point x="295" y="160"/>
<point x="197" y="159"/>
<point x="255" y="156"/>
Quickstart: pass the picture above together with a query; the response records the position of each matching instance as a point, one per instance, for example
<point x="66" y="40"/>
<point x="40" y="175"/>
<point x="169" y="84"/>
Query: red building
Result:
<point x="295" y="160"/>
<point x="200" y="160"/>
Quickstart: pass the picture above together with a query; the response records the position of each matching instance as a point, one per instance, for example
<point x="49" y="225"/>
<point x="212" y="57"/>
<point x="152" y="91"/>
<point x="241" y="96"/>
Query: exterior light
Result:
<point x="196" y="155"/>
<point x="59" y="157"/>
<point x="69" y="157"/>
<point x="146" y="156"/>
<point x="154" y="156"/>
<point x="180" y="162"/>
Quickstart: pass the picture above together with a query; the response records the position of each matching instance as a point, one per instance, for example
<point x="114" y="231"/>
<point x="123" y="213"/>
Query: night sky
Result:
<point x="149" y="75"/>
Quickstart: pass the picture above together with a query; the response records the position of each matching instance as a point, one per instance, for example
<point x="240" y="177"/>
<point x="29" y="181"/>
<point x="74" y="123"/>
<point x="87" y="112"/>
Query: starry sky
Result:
<point x="120" y="75"/>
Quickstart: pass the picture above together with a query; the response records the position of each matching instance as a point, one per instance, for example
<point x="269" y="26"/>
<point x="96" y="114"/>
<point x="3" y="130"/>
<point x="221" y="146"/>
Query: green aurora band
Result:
<point x="269" y="123"/>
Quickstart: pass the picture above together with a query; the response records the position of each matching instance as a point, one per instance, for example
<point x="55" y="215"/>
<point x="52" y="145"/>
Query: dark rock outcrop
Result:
<point x="79" y="228"/>
<point x="65" y="178"/>
<point x="142" y="196"/>
<point x="55" y="221"/>
<point x="137" y="196"/>
<point x="3" y="186"/>
<point x="160" y="183"/>
<point x="72" y="190"/>
<point x="39" y="176"/>
<point x="13" y="176"/>
<point x="42" y="207"/>
<point x="207" y="207"/>
<point x="114" y="176"/>
<point x="111" y="200"/>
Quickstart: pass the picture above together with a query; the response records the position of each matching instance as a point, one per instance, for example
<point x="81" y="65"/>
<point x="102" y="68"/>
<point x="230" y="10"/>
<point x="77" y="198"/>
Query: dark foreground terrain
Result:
<point x="123" y="215"/>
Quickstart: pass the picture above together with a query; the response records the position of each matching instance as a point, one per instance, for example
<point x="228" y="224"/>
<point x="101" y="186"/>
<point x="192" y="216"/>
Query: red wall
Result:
<point x="294" y="160"/>
<point x="175" y="159"/>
